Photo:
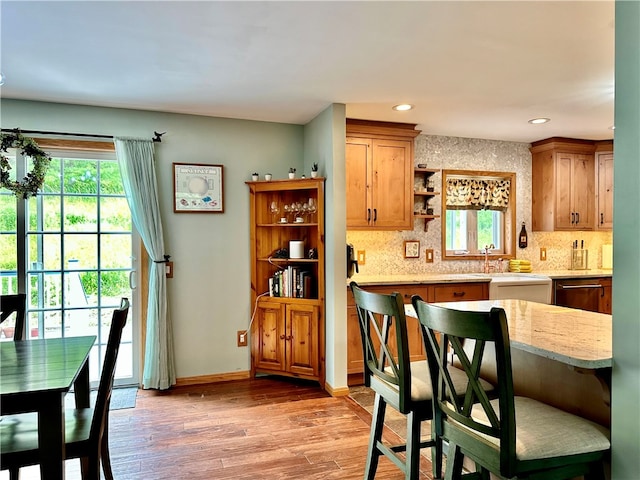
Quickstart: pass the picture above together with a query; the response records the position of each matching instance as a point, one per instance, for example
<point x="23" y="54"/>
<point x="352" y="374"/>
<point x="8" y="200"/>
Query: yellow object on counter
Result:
<point x="520" y="266"/>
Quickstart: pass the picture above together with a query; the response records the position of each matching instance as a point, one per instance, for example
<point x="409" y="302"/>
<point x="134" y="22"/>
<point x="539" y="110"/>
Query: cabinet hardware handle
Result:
<point x="458" y="294"/>
<point x="577" y="218"/>
<point x="601" y="218"/>
<point x="573" y="218"/>
<point x="574" y="287"/>
<point x="368" y="215"/>
<point x="282" y="337"/>
<point x="375" y="214"/>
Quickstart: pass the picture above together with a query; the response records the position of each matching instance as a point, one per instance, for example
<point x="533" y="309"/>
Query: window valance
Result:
<point x="477" y="194"/>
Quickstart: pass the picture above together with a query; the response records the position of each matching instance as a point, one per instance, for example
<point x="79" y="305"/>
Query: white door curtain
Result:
<point x="137" y="167"/>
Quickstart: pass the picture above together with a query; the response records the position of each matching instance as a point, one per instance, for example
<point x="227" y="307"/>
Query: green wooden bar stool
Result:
<point x="510" y="436"/>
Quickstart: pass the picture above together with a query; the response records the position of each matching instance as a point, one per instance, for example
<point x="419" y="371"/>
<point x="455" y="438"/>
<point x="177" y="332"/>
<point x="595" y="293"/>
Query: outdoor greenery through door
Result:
<point x="72" y="249"/>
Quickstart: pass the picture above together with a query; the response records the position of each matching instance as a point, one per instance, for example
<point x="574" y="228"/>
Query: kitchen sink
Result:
<point x="521" y="286"/>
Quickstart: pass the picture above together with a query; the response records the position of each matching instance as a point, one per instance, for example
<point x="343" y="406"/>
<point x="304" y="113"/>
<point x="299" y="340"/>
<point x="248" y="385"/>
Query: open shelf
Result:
<point x="423" y="192"/>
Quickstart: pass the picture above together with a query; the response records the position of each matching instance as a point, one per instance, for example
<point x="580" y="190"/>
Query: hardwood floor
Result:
<point x="267" y="428"/>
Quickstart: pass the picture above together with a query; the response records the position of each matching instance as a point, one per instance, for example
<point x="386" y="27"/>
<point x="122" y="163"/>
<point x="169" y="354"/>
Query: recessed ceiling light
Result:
<point x="538" y="121"/>
<point x="612" y="127"/>
<point x="403" y="107"/>
<point x="1" y="78"/>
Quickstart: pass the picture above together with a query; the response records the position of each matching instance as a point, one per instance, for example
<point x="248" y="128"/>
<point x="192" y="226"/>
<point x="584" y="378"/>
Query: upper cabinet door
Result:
<point x="565" y="216"/>
<point x="574" y="191"/>
<point x="358" y="178"/>
<point x="583" y="182"/>
<point x="604" y="191"/>
<point x="392" y="184"/>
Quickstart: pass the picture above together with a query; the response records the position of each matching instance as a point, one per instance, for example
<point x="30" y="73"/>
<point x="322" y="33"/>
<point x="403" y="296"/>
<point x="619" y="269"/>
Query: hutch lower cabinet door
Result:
<point x="286" y="339"/>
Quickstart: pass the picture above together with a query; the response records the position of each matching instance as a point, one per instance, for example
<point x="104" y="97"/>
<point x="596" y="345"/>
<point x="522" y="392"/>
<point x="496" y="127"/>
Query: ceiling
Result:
<point x="471" y="69"/>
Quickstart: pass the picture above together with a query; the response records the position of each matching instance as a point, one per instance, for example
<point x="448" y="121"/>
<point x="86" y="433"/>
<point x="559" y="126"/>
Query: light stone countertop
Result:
<point x="470" y="277"/>
<point x="593" y="273"/>
<point x="575" y="337"/>
<point x="418" y="279"/>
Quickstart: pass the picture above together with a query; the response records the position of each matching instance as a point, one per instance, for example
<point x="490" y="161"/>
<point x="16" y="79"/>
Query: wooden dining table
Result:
<point x="35" y="376"/>
<point x="562" y="356"/>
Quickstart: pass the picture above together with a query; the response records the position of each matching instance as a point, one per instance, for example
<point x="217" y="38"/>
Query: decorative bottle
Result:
<point x="522" y="238"/>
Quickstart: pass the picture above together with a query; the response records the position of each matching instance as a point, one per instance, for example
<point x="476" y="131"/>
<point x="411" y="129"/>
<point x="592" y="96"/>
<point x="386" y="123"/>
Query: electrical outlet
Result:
<point x="242" y="338"/>
<point x="543" y="254"/>
<point x="361" y="257"/>
<point x="429" y="254"/>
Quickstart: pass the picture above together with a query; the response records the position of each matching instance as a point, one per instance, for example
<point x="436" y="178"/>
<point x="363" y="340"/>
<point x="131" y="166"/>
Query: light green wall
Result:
<point x="625" y="395"/>
<point x="209" y="296"/>
<point x="324" y="143"/>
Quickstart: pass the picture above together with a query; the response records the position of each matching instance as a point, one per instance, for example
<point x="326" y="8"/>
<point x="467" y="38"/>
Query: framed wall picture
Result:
<point x="197" y="188"/>
<point x="411" y="249"/>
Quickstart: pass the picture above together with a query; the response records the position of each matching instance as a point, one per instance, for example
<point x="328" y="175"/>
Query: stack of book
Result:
<point x="291" y="282"/>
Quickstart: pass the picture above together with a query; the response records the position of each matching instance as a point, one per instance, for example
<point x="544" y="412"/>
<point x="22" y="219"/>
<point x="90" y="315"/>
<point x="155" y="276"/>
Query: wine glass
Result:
<point x="304" y="210"/>
<point x="312" y="208"/>
<point x="287" y="210"/>
<point x="274" y="208"/>
<point x="296" y="207"/>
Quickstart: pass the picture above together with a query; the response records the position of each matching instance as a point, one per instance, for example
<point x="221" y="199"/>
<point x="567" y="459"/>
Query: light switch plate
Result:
<point x="543" y="254"/>
<point x="361" y="257"/>
<point x="429" y="255"/>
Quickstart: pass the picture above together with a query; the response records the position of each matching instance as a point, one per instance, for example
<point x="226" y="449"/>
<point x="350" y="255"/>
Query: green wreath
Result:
<point x="30" y="184"/>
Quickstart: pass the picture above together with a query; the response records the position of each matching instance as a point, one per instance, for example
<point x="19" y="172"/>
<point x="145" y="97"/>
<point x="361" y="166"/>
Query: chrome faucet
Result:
<point x="487" y="267"/>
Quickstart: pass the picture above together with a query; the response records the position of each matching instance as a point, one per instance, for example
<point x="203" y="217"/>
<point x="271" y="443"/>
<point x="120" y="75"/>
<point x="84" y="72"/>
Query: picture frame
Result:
<point x="198" y="188"/>
<point x="411" y="249"/>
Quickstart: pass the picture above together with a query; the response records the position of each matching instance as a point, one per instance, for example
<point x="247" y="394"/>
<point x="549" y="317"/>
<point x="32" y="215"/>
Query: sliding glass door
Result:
<point x="73" y="250"/>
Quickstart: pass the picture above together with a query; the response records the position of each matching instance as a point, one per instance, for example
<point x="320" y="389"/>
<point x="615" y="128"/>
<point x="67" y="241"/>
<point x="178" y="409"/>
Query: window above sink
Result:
<point x="478" y="210"/>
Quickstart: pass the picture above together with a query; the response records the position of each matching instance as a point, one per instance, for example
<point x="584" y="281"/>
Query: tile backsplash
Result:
<point x="385" y="249"/>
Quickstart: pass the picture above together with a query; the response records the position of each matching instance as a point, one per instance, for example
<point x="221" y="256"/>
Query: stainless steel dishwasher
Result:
<point x="583" y="293"/>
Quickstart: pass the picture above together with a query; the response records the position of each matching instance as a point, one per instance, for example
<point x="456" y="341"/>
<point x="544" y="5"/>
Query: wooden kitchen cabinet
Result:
<point x="288" y="330"/>
<point x="458" y="292"/>
<point x="379" y="175"/>
<point x="563" y="185"/>
<point x="445" y="292"/>
<point x="585" y="293"/>
<point x="604" y="305"/>
<point x="604" y="186"/>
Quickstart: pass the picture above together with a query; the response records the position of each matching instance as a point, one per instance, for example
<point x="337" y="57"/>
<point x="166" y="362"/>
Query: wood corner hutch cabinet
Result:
<point x="563" y="184"/>
<point x="287" y="333"/>
<point x="379" y="175"/>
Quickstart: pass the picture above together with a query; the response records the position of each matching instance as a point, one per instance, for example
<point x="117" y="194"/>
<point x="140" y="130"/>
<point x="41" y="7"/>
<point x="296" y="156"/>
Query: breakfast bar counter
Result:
<point x="574" y="337"/>
<point x="561" y="356"/>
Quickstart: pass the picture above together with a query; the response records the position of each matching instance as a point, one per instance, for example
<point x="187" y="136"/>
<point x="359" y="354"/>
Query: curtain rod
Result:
<point x="157" y="137"/>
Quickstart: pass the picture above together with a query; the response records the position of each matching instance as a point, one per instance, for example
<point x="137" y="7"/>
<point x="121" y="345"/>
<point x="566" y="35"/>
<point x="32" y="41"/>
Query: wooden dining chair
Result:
<point x="15" y="303"/>
<point x="86" y="429"/>
<point x="510" y="436"/>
